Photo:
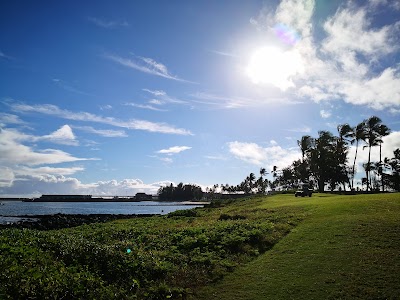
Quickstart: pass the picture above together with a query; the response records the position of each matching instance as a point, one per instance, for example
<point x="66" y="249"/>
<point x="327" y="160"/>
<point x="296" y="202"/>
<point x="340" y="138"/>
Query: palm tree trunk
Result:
<point x="381" y="167"/>
<point x="354" y="166"/>
<point x="368" y="167"/>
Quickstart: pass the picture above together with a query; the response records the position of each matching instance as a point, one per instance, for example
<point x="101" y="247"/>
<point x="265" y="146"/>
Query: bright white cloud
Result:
<point x="174" y="150"/>
<point x="64" y="135"/>
<point x="12" y="151"/>
<point x="49" y="109"/>
<point x="264" y="156"/>
<point x="350" y="62"/>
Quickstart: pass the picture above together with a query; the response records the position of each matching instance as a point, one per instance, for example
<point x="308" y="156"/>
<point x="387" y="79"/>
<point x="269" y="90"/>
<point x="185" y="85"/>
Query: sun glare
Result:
<point x="270" y="65"/>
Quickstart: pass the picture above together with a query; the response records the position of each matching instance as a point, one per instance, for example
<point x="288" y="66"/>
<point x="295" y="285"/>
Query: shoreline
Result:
<point x="59" y="221"/>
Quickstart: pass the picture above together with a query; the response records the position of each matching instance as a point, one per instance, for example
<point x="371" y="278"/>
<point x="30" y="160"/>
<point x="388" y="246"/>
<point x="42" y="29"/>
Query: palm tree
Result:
<point x="372" y="136"/>
<point x="358" y="135"/>
<point x="345" y="135"/>
<point x="305" y="144"/>
<point x="382" y="131"/>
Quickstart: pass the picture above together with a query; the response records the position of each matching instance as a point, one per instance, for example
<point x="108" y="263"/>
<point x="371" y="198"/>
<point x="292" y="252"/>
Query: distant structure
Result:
<point x="90" y="198"/>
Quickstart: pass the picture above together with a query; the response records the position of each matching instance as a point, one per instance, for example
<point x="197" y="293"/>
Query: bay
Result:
<point x="12" y="211"/>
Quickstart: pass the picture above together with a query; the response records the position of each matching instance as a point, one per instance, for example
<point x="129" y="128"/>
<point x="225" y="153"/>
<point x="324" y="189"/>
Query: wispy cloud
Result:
<point x="303" y="129"/>
<point x="164" y="98"/>
<point x="223" y="53"/>
<point x="145" y="65"/>
<point x="49" y="109"/>
<point x="3" y="55"/>
<point x="10" y="119"/>
<point x="174" y="150"/>
<point x="64" y="85"/>
<point x="102" y="132"/>
<point x="325" y="113"/>
<point x="144" y="106"/>
<point x="213" y="101"/>
<point x="155" y="92"/>
<point x="108" y="24"/>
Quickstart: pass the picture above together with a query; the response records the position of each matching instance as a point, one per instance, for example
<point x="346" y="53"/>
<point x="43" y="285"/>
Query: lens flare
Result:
<point x="286" y="34"/>
<point x="128" y="250"/>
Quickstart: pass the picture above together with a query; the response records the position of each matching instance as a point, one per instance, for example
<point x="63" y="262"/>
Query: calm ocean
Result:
<point x="10" y="211"/>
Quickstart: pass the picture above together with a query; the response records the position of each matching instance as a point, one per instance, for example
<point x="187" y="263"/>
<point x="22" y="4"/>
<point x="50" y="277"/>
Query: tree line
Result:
<point x="325" y="163"/>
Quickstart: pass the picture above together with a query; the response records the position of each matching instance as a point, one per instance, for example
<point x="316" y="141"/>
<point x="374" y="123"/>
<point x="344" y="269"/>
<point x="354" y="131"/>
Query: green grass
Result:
<point x="279" y="247"/>
<point x="348" y="247"/>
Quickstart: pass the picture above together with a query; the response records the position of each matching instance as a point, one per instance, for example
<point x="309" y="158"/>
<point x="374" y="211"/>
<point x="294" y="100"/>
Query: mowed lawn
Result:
<point x="347" y="247"/>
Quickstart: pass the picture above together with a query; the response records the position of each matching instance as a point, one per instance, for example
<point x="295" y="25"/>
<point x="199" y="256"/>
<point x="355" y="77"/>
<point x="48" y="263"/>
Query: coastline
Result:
<point x="59" y="221"/>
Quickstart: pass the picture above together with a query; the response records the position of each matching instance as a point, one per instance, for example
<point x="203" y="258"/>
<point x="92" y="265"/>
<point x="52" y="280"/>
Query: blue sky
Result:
<point x="117" y="97"/>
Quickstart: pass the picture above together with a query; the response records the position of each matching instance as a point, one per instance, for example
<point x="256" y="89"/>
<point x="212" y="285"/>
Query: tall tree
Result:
<point x="372" y="137"/>
<point x="341" y="170"/>
<point x="358" y="135"/>
<point x="322" y="159"/>
<point x="382" y="131"/>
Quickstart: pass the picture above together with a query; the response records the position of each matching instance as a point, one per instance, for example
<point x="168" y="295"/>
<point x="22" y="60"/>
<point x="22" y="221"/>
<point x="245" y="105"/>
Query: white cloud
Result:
<point x="29" y="186"/>
<point x="64" y="135"/>
<point x="102" y="132"/>
<point x="349" y="63"/>
<point x="174" y="150"/>
<point x="269" y="156"/>
<point x="325" y="113"/>
<point x="53" y="110"/>
<point x="6" y="177"/>
<point x="108" y="24"/>
<point x="13" y="152"/>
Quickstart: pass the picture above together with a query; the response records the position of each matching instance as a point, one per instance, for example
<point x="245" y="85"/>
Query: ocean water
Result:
<point x="11" y="211"/>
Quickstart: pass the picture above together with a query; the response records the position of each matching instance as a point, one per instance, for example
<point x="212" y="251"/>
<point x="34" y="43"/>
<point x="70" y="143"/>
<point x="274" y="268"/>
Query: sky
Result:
<point x="120" y="97"/>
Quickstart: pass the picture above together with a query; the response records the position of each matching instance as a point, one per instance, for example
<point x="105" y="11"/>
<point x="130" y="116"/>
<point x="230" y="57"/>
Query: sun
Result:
<point x="271" y="65"/>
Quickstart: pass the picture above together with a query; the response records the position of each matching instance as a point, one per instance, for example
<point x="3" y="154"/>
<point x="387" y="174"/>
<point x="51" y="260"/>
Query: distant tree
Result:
<point x="392" y="179"/>
<point x="182" y="192"/>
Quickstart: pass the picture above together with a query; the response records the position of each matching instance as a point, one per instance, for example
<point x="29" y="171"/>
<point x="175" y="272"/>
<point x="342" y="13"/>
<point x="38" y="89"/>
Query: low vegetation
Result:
<point x="143" y="258"/>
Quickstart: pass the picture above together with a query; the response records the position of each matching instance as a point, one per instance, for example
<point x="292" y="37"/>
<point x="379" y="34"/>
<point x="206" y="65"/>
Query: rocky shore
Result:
<point x="58" y="221"/>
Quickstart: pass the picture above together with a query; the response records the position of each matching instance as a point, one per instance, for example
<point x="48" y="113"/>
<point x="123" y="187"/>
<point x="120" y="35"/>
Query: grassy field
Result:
<point x="348" y="247"/>
<point x="279" y="247"/>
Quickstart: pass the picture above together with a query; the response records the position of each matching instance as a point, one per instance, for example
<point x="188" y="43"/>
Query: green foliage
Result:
<point x="181" y="192"/>
<point x="164" y="257"/>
